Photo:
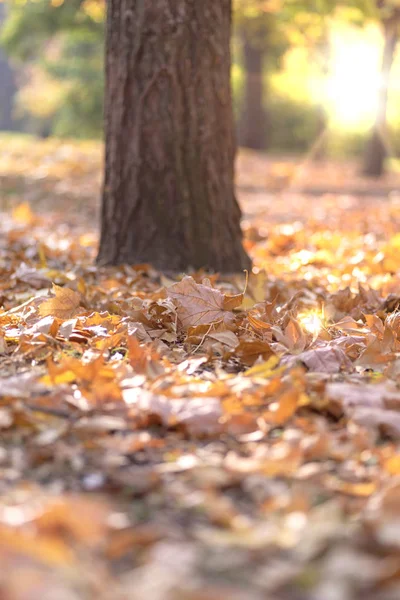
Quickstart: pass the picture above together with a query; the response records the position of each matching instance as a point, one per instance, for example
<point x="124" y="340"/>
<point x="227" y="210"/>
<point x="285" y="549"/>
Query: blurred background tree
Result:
<point x="387" y="14"/>
<point x="310" y="77"/>
<point x="8" y="85"/>
<point x="58" y="47"/>
<point x="266" y="30"/>
<point x="262" y="44"/>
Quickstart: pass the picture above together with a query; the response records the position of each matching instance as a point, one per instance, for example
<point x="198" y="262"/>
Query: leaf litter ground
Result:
<point x="201" y="438"/>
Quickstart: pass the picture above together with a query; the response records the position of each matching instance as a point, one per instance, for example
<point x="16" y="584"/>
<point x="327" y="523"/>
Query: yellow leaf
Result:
<point x="67" y="376"/>
<point x="63" y="305"/>
<point x="265" y="369"/>
<point x="304" y="400"/>
<point x="42" y="256"/>
<point x="256" y="290"/>
<point x="23" y="214"/>
<point x="350" y="488"/>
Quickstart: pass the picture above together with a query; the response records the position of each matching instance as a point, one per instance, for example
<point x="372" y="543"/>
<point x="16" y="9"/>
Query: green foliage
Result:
<point x="81" y="65"/>
<point x="59" y="43"/>
<point x="59" y="47"/>
<point x="260" y="22"/>
<point x="293" y="125"/>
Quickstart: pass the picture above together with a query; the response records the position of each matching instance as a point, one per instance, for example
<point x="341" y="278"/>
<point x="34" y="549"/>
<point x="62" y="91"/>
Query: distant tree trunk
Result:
<point x="376" y="150"/>
<point x="7" y="86"/>
<point x="319" y="150"/>
<point x="168" y="196"/>
<point x="252" y="125"/>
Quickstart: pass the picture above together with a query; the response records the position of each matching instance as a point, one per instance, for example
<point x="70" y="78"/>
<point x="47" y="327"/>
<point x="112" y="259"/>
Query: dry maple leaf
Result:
<point x="199" y="304"/>
<point x="63" y="305"/>
<point x="323" y="360"/>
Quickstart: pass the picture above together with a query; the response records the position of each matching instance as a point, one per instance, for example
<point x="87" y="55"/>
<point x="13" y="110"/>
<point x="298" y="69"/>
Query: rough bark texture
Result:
<point x="376" y="151"/>
<point x="252" y="126"/>
<point x="168" y="195"/>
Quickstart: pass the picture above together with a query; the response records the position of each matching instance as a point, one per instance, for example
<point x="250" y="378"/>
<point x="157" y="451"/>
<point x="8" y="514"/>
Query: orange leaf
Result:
<point x="392" y="465"/>
<point x="63" y="305"/>
<point x="351" y="488"/>
<point x="284" y="408"/>
<point x="232" y="302"/>
<point x="257" y="323"/>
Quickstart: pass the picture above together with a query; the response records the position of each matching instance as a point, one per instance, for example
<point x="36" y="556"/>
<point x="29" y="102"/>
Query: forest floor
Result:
<point x="200" y="440"/>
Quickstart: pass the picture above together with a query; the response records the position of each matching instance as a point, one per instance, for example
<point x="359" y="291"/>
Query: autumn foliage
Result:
<point x="156" y="432"/>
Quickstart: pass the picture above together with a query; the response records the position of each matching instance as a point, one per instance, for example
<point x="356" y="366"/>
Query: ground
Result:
<point x="208" y="438"/>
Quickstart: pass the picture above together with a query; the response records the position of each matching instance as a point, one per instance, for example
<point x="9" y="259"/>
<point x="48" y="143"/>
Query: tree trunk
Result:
<point x="7" y="86"/>
<point x="168" y="196"/>
<point x="319" y="150"/>
<point x="376" y="151"/>
<point x="252" y="127"/>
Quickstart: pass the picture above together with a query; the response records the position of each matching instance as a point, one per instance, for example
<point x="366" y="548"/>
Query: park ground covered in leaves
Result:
<point x="207" y="437"/>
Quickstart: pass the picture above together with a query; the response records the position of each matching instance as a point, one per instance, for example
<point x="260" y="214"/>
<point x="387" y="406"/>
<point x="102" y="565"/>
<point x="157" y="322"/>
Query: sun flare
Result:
<point x="312" y="321"/>
<point x="354" y="81"/>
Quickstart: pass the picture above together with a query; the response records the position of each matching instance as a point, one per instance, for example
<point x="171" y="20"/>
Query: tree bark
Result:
<point x="168" y="195"/>
<point x="7" y="86"/>
<point x="252" y="127"/>
<point x="376" y="150"/>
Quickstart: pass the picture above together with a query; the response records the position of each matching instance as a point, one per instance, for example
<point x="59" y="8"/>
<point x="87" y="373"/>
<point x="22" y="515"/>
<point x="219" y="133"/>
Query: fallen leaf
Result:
<point x="198" y="304"/>
<point x="264" y="369"/>
<point x="282" y="409"/>
<point x="63" y="305"/>
<point x="250" y="350"/>
<point x="200" y="416"/>
<point x="322" y="360"/>
<point x="351" y="488"/>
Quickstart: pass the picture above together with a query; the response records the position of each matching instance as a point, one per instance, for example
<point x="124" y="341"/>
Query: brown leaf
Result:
<point x="249" y="350"/>
<point x="323" y="360"/>
<point x="374" y="406"/>
<point x="225" y="337"/>
<point x="199" y="304"/>
<point x="351" y="395"/>
<point x="232" y="302"/>
<point x="63" y="305"/>
<point x="199" y="416"/>
<point x="258" y="323"/>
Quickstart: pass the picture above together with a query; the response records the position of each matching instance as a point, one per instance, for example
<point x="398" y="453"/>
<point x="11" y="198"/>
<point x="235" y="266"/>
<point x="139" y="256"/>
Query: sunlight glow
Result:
<point x="312" y="321"/>
<point x="354" y="81"/>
